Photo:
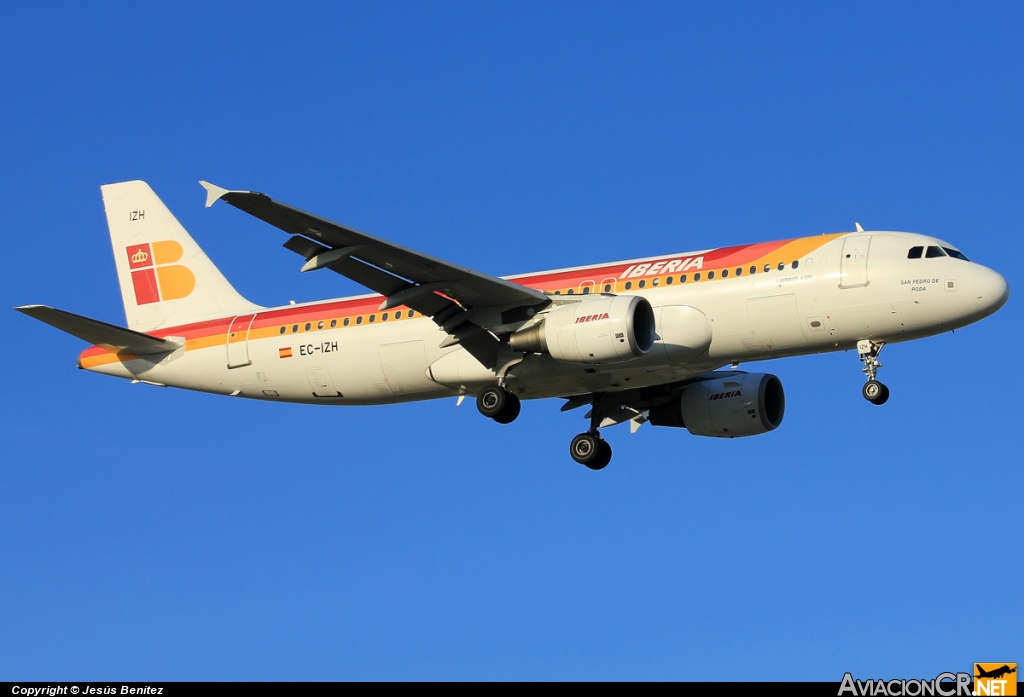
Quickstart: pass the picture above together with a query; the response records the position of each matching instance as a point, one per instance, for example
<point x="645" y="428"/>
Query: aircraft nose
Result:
<point x="991" y="289"/>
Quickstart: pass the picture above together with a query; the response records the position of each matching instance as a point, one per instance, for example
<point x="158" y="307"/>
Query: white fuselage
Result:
<point x="828" y="302"/>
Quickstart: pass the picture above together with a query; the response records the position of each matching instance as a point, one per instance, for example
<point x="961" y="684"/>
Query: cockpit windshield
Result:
<point x="936" y="252"/>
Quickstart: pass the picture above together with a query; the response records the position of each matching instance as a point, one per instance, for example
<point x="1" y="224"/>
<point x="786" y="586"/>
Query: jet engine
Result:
<point x="603" y="330"/>
<point x="739" y="405"/>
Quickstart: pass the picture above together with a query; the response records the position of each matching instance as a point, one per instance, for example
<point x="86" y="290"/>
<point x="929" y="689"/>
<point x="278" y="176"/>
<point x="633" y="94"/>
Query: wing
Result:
<point x="464" y="302"/>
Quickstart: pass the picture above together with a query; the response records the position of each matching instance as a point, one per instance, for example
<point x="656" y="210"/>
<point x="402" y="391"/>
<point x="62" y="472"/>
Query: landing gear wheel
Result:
<point x="510" y="411"/>
<point x="604" y="456"/>
<point x="875" y="392"/>
<point x="497" y="404"/>
<point x="590" y="450"/>
<point x="491" y="401"/>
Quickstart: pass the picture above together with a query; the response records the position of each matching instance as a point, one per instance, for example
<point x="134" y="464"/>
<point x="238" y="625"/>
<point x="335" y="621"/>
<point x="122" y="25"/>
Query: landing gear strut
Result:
<point x="496" y="403"/>
<point x="874" y="391"/>
<point x="590" y="449"/>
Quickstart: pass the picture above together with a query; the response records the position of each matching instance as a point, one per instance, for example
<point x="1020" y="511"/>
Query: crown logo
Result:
<point x="139" y="256"/>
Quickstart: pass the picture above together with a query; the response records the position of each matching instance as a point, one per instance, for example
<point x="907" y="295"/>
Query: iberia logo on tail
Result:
<point x="155" y="276"/>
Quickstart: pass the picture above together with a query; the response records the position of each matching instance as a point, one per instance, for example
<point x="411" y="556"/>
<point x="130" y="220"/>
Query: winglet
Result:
<point x="859" y="228"/>
<point x="213" y="192"/>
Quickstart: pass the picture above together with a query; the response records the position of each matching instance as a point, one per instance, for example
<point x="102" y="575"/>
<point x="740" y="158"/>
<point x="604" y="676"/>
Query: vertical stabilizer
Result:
<point x="166" y="279"/>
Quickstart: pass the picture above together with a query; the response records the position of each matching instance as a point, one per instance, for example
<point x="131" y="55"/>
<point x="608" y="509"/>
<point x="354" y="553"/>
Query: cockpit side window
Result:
<point x="915" y="252"/>
<point x="955" y="254"/>
<point x="934" y="252"/>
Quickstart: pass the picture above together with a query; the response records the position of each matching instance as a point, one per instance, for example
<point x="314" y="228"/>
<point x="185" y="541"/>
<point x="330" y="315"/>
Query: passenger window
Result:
<point x="725" y="273"/>
<point x="629" y="284"/>
<point x="571" y="291"/>
<point x="668" y="281"/>
<point x="384" y="317"/>
<point x="295" y="328"/>
<point x="359" y="319"/>
<point x="753" y="270"/>
<point x="607" y="287"/>
<point x="711" y="275"/>
<point x="934" y="252"/>
<point x="654" y="282"/>
<point x="682" y="279"/>
<point x="782" y="265"/>
<point x="796" y="264"/>
<point x="696" y="277"/>
<point x="767" y="268"/>
<point x="641" y="284"/>
<point x="955" y="254"/>
<point x="308" y="326"/>
<point x="282" y="330"/>
<point x="739" y="271"/>
<point x="915" y="252"/>
<point x="558" y="292"/>
<point x="334" y="323"/>
<point x="320" y="325"/>
<point x="345" y="322"/>
<point x="373" y="318"/>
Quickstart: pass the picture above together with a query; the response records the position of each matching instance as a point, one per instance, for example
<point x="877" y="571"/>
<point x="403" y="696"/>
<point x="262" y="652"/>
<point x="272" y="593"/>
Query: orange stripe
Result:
<point x="212" y="333"/>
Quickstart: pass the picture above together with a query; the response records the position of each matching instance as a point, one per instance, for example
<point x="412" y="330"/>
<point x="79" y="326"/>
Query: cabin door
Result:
<point x="238" y="341"/>
<point x="853" y="265"/>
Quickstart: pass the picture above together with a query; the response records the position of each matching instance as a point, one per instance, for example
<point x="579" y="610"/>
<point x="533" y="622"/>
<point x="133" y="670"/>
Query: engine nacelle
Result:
<point x="739" y="405"/>
<point x="607" y="329"/>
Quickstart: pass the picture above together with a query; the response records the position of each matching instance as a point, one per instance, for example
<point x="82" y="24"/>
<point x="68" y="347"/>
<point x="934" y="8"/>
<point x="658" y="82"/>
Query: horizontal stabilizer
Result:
<point x="100" y="333"/>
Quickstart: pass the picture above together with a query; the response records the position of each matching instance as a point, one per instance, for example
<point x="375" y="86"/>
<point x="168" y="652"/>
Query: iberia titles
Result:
<point x="663" y="267"/>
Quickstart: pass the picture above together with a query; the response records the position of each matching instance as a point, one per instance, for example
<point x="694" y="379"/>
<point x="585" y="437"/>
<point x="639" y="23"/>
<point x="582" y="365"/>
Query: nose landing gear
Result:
<point x="873" y="391"/>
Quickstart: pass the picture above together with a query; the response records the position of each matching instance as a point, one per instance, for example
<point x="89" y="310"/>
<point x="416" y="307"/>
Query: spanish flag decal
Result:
<point x="285" y="352"/>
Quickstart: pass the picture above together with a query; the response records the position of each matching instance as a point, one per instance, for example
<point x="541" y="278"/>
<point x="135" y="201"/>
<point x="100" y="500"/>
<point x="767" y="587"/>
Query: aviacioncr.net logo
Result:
<point x="943" y="685"/>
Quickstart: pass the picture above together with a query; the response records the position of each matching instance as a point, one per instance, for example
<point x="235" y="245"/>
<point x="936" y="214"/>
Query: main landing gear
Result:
<point x="498" y="404"/>
<point x="590" y="449"/>
<point x="874" y="391"/>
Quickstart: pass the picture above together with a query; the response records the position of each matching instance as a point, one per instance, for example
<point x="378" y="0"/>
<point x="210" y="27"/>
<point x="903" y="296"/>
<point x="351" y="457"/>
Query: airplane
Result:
<point x="639" y="341"/>
<point x="995" y="673"/>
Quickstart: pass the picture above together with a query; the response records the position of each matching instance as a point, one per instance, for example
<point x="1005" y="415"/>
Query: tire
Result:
<point x="586" y="449"/>
<point x="491" y="401"/>
<point x="604" y="456"/>
<point x="875" y="392"/>
<point x="883" y="397"/>
<point x="510" y="411"/>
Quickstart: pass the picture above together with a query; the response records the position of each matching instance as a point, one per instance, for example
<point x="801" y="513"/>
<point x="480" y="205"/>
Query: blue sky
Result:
<point x="159" y="534"/>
